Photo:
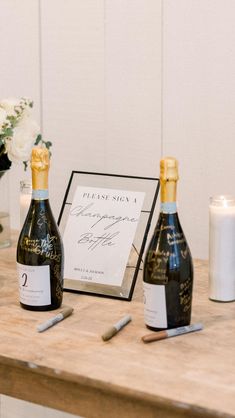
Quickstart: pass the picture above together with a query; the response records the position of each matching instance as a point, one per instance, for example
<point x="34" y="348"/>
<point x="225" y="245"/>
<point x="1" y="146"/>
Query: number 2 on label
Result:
<point x="25" y="278"/>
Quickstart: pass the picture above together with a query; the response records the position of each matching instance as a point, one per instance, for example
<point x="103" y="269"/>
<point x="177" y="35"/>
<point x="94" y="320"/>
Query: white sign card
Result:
<point x="99" y="233"/>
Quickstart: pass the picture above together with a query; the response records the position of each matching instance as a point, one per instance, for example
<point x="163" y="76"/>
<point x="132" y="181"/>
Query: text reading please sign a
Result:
<point x="99" y="233"/>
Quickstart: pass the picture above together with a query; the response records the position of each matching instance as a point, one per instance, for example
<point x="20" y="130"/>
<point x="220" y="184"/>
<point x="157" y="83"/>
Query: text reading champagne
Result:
<point x="40" y="258"/>
<point x="168" y="268"/>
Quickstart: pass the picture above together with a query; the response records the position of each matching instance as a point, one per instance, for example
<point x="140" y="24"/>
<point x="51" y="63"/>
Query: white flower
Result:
<point x="9" y="106"/>
<point x="20" y="145"/>
<point x="16" y="107"/>
<point x="18" y="131"/>
<point x="3" y="119"/>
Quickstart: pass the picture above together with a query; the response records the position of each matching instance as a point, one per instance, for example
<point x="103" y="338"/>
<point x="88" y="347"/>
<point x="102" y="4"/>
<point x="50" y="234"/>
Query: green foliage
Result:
<point x="8" y="132"/>
<point x="38" y="139"/>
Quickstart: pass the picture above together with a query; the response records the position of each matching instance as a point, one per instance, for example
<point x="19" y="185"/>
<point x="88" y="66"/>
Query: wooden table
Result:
<point x="69" y="367"/>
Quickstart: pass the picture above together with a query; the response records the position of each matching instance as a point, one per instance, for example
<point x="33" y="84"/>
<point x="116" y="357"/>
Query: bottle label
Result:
<point x="34" y="285"/>
<point x="155" y="305"/>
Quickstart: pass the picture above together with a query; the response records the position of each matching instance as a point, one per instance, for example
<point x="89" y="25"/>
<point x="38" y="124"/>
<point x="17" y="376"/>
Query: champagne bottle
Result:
<point x="40" y="259"/>
<point x="168" y="267"/>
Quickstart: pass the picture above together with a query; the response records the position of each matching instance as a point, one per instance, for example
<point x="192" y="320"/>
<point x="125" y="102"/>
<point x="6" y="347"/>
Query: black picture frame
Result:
<point x="150" y="186"/>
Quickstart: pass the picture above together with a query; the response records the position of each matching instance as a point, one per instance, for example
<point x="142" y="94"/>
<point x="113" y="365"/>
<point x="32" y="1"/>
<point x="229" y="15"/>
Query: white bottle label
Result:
<point x="34" y="285"/>
<point x="155" y="305"/>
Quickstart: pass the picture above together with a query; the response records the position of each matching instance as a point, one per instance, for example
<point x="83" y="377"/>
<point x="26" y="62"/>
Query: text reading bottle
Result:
<point x="168" y="268"/>
<point x="40" y="250"/>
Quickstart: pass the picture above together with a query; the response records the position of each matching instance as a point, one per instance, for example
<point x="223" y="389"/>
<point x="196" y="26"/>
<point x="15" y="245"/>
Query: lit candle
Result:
<point x="222" y="248"/>
<point x="25" y="199"/>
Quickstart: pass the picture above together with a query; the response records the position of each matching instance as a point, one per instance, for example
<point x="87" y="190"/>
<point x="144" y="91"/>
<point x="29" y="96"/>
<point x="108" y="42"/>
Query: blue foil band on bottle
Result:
<point x="168" y="207"/>
<point x="40" y="194"/>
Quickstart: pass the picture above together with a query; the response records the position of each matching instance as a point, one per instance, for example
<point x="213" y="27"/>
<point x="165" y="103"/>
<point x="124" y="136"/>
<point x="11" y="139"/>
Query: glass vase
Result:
<point x="5" y="239"/>
<point x="25" y="199"/>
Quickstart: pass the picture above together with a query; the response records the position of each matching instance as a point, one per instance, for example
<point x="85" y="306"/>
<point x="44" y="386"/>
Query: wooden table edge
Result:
<point x="89" y="397"/>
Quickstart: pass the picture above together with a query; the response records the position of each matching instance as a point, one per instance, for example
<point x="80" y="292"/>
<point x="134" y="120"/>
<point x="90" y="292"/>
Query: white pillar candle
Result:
<point x="222" y="248"/>
<point x="25" y="199"/>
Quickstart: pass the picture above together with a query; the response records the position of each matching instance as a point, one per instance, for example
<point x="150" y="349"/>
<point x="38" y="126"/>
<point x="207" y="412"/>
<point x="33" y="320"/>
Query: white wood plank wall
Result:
<point x="19" y="69"/>
<point x="101" y="74"/>
<point x="199" y="106"/>
<point x="115" y="95"/>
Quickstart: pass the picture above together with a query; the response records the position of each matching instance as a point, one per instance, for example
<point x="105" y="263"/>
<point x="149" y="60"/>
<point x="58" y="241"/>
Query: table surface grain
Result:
<point x="69" y="367"/>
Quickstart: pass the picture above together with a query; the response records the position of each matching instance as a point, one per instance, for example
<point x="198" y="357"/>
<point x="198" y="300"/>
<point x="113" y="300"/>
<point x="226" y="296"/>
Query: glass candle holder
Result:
<point x="25" y="199"/>
<point x="5" y="233"/>
<point x="222" y="248"/>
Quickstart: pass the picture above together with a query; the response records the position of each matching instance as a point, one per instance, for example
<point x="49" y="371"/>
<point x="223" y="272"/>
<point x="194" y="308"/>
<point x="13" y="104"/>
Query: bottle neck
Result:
<point x="40" y="185"/>
<point x="168" y="196"/>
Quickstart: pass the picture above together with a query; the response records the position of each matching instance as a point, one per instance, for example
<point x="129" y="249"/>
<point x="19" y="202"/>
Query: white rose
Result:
<point x="3" y="118"/>
<point x="20" y="145"/>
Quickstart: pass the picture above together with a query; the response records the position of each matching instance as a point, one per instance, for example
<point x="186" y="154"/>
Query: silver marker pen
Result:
<point x="116" y="327"/>
<point x="161" y="335"/>
<point x="52" y="321"/>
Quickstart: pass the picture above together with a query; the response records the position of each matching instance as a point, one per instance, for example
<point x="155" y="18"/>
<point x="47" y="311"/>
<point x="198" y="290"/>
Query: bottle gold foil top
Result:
<point x="40" y="164"/>
<point x="169" y="169"/>
<point x="168" y="179"/>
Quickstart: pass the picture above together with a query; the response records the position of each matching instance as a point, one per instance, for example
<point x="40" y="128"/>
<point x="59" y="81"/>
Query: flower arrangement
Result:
<point x="18" y="132"/>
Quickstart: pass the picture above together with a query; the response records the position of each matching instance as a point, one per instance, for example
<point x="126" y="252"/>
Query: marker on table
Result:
<point x="161" y="335"/>
<point x="116" y="327"/>
<point x="52" y="321"/>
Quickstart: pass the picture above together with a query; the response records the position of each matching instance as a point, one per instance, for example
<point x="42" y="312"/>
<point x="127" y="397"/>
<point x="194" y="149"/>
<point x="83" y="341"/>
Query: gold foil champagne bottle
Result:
<point x="40" y="258"/>
<point x="168" y="267"/>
